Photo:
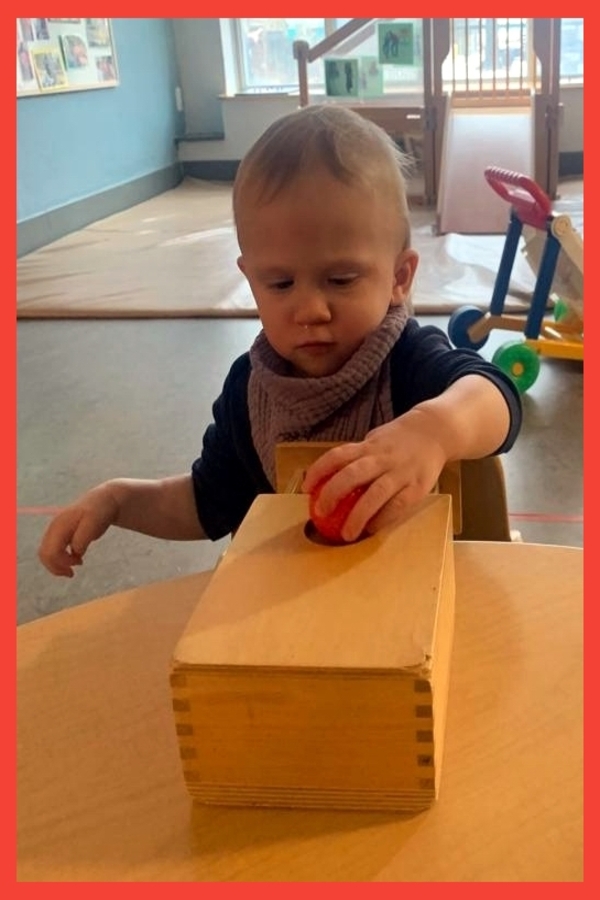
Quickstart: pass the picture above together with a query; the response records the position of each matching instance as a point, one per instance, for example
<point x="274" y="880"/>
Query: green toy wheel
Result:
<point x="519" y="362"/>
<point x="560" y="311"/>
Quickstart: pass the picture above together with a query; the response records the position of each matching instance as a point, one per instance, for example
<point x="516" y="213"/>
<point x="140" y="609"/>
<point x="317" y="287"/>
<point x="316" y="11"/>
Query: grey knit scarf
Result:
<point x="339" y="407"/>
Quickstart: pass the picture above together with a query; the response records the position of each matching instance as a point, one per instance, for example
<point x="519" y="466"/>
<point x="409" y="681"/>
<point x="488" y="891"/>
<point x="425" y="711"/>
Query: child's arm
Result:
<point x="402" y="460"/>
<point x="164" y="508"/>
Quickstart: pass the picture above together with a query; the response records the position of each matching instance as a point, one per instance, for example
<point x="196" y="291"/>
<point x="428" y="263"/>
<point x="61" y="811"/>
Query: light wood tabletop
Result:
<point x="101" y="795"/>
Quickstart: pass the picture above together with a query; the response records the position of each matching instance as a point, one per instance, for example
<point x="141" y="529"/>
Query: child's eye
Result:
<point x="342" y="280"/>
<point x="281" y="285"/>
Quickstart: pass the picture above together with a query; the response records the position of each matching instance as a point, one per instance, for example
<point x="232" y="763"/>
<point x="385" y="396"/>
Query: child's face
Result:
<point x="324" y="261"/>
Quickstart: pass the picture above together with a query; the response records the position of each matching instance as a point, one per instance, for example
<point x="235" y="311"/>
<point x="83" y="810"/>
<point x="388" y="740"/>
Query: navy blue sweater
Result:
<point x="228" y="475"/>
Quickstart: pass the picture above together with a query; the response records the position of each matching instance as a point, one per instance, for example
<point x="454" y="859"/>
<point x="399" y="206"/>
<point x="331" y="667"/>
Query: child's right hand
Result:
<point x="73" y="529"/>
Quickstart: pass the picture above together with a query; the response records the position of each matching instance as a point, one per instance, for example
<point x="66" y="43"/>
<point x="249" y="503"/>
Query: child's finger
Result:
<point x="59" y="563"/>
<point x="327" y="464"/>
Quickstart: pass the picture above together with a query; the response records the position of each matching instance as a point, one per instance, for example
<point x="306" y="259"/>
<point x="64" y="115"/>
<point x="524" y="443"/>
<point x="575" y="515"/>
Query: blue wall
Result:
<point x="74" y="145"/>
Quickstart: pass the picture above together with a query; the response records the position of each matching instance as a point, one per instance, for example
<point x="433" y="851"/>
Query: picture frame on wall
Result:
<point x="65" y="55"/>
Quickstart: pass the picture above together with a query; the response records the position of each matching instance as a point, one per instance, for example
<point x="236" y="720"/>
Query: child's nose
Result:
<point x="312" y="306"/>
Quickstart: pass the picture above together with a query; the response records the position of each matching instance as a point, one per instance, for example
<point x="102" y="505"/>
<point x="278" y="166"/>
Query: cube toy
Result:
<point x="316" y="676"/>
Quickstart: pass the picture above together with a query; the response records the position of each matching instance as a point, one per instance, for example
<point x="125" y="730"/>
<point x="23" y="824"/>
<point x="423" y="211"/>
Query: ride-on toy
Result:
<point x="554" y="250"/>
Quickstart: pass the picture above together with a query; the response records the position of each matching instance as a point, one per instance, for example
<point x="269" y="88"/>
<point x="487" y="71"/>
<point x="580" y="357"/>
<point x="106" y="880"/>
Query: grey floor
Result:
<point x="98" y="399"/>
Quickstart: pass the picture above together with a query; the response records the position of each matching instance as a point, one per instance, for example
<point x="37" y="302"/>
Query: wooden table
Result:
<point x="100" y="790"/>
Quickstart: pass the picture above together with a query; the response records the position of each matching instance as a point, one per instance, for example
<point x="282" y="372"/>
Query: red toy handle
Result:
<point x="530" y="202"/>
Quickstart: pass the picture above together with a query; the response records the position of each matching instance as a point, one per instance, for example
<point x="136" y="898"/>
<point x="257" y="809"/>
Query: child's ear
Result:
<point x="240" y="265"/>
<point x="404" y="273"/>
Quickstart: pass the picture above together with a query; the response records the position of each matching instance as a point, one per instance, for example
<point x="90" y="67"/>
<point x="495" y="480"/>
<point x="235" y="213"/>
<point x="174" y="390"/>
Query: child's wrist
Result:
<point x="436" y="428"/>
<point x="112" y="495"/>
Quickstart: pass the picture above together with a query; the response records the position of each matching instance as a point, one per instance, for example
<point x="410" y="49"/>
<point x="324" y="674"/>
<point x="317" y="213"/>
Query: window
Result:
<point x="265" y="59"/>
<point x="265" y="52"/>
<point x="571" y="51"/>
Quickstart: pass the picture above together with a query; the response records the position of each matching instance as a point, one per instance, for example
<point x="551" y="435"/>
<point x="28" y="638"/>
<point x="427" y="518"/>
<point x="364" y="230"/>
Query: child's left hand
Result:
<point x="400" y="462"/>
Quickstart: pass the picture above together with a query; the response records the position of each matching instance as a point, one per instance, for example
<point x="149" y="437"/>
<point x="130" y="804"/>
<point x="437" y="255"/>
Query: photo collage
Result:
<point x="64" y="55"/>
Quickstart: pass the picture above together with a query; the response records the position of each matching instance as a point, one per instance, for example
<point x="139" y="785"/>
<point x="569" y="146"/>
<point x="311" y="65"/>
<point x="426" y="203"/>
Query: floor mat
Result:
<point x="175" y="256"/>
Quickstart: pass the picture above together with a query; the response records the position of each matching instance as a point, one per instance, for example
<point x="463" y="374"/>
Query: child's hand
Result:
<point x="72" y="530"/>
<point x="400" y="463"/>
<point x="331" y="526"/>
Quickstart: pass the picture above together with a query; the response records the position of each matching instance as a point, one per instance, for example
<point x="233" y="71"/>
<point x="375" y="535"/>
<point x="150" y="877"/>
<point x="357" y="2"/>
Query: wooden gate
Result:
<point x="494" y="62"/>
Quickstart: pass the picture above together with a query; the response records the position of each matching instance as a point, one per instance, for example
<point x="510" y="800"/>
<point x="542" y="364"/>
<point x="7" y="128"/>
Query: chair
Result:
<point x="477" y="488"/>
<point x="483" y="501"/>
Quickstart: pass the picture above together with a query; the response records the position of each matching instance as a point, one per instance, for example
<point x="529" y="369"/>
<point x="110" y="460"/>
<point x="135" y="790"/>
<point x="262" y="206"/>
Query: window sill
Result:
<point x="258" y="95"/>
<point x="201" y="136"/>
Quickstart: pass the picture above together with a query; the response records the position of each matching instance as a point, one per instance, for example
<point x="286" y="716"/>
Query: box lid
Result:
<point x="279" y="599"/>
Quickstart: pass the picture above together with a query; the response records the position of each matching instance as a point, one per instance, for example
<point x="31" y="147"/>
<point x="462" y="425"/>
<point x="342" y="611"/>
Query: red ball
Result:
<point x="330" y="526"/>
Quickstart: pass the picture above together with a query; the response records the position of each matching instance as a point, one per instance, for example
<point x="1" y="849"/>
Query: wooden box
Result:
<point x="317" y="676"/>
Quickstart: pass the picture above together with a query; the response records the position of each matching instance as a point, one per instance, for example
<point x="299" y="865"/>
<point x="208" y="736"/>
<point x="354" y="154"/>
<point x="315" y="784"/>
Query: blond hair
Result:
<point x="352" y="148"/>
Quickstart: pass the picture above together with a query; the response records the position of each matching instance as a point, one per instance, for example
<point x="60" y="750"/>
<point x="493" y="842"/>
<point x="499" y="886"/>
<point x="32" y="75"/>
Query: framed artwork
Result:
<point x="64" y="55"/>
<point x="371" y="77"/>
<point x="342" y="77"/>
<point x="396" y="42"/>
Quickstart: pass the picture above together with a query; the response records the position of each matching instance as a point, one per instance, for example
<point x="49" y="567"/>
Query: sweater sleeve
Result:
<point x="228" y="476"/>
<point x="424" y="365"/>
